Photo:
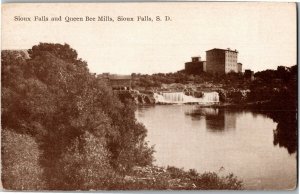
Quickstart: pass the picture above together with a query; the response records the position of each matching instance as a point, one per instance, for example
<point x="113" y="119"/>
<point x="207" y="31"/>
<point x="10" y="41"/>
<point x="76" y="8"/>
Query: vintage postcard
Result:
<point x="149" y="96"/>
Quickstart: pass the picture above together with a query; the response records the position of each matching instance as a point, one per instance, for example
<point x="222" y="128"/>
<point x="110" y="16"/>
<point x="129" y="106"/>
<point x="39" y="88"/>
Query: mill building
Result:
<point x="196" y="66"/>
<point x="218" y="61"/>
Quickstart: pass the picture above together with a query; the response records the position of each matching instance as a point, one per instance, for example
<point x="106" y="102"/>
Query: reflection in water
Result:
<point x="215" y="122"/>
<point x="285" y="134"/>
<point x="195" y="111"/>
<point x="216" y="119"/>
<point x="241" y="142"/>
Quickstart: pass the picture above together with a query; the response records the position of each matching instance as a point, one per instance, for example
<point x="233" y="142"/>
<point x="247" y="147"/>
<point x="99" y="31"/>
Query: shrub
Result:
<point x="85" y="164"/>
<point x="20" y="162"/>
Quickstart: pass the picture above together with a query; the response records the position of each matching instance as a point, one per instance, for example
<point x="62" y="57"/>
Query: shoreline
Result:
<point x="259" y="106"/>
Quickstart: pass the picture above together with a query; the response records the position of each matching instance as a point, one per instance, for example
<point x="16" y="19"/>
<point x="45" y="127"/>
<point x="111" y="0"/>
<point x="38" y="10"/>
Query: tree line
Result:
<point x="62" y="128"/>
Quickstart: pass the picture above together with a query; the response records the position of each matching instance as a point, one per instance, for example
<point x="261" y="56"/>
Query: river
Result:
<point x="219" y="140"/>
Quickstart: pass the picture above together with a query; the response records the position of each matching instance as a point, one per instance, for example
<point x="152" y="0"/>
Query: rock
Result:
<point x="137" y="168"/>
<point x="198" y="94"/>
<point x="128" y="178"/>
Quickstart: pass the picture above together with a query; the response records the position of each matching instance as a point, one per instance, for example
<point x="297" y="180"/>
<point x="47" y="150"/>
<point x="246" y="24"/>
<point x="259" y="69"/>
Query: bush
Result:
<point x="20" y="162"/>
<point x="85" y="164"/>
<point x="211" y="181"/>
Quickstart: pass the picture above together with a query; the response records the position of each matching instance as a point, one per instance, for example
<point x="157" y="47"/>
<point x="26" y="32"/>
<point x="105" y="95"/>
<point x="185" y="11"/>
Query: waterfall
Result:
<point x="211" y="97"/>
<point x="174" y="96"/>
<point x="180" y="98"/>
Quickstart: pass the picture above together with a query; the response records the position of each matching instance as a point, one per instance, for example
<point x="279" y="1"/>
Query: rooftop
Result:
<point x="228" y="49"/>
<point x="115" y="76"/>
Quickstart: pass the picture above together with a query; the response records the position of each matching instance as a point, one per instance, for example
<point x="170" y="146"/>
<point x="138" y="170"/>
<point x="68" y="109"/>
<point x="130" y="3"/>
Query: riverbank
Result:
<point x="172" y="178"/>
<point x="248" y="105"/>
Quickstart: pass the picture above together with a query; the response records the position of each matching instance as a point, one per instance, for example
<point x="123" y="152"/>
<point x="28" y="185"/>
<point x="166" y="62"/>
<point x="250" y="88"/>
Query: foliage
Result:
<point x="209" y="181"/>
<point x="156" y="80"/>
<point x="157" y="178"/>
<point x="20" y="162"/>
<point x="282" y="73"/>
<point x="85" y="164"/>
<point x="64" y="52"/>
<point x="53" y="98"/>
<point x="206" y="181"/>
<point x="278" y="87"/>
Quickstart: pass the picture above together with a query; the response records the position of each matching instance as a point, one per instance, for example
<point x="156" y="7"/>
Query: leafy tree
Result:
<point x="20" y="162"/>
<point x="64" y="52"/>
<point x="53" y="98"/>
<point x="86" y="164"/>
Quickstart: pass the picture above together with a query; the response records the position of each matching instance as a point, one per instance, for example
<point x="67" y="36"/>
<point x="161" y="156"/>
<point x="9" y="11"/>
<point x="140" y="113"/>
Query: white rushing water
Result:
<point x="180" y="98"/>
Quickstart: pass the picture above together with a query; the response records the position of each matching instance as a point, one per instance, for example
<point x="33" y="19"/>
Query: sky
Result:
<point x="263" y="33"/>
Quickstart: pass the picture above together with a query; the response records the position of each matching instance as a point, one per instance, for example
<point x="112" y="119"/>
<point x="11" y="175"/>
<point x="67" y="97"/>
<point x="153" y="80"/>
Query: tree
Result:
<point x="86" y="164"/>
<point x="20" y="162"/>
<point x="64" y="52"/>
<point x="53" y="98"/>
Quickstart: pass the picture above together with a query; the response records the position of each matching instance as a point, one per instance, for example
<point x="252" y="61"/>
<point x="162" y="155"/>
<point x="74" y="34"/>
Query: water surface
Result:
<point x="223" y="141"/>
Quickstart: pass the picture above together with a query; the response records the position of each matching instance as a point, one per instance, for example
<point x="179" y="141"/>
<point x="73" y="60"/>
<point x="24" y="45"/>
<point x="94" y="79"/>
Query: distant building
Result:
<point x="117" y="82"/>
<point x="249" y="74"/>
<point x="239" y="67"/>
<point x="196" y="66"/>
<point x="222" y="61"/>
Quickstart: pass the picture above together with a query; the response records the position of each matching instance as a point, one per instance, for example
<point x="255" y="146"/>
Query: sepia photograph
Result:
<point x="149" y="96"/>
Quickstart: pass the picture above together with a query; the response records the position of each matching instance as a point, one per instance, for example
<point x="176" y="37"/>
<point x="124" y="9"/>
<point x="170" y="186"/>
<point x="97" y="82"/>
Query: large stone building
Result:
<point x="218" y="61"/>
<point x="221" y="61"/>
<point x="196" y="66"/>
